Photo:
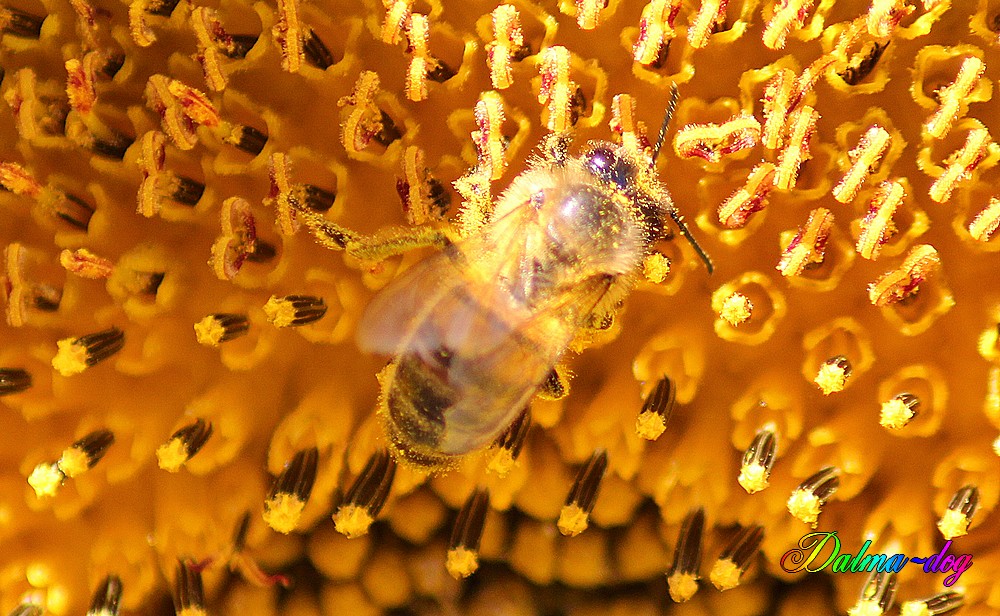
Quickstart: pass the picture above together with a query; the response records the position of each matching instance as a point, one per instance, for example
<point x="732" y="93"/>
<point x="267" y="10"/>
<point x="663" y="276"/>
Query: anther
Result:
<point x="864" y="158"/>
<point x="575" y="515"/>
<point x="921" y="263"/>
<point x="508" y="39"/>
<point x="27" y="609"/>
<point x="557" y="91"/>
<point x="510" y="443"/>
<point x="711" y="142"/>
<point x="315" y="51"/>
<point x="656" y="410"/>
<point x="183" y="445"/>
<point x="877" y="595"/>
<point x="955" y="97"/>
<point x="833" y="374"/>
<point x="736" y="557"/>
<point x="808" y="499"/>
<point x="758" y="460"/>
<point x="217" y="328"/>
<point x="14" y="381"/>
<point x="366" y="496"/>
<point x="735" y="309"/>
<point x="899" y="411"/>
<point x="933" y="606"/>
<point x="986" y="222"/>
<point x="72" y="209"/>
<point x="877" y="225"/>
<point x="107" y="597"/>
<point x="366" y="122"/>
<point x="294" y="310"/>
<point x="185" y="190"/>
<point x="749" y="198"/>
<point x="315" y="198"/>
<point x="86" y="264"/>
<point x="19" y="23"/>
<point x="291" y="491"/>
<point x="86" y="452"/>
<point x="808" y="247"/>
<point x="246" y="138"/>
<point x="682" y="580"/>
<point x="463" y="549"/>
<point x="800" y="128"/>
<point x="77" y="354"/>
<point x="189" y="595"/>
<point x="961" y="164"/>
<point x="957" y="518"/>
<point x="656" y="30"/>
<point x="711" y="15"/>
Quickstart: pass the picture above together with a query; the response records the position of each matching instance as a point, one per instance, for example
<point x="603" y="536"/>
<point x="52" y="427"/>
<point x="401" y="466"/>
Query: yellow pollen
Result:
<point x="831" y="378"/>
<point x="753" y="477"/>
<point x="996" y="446"/>
<point x="656" y="267"/>
<point x="725" y="574"/>
<point x="461" y="562"/>
<point x="804" y="506"/>
<point x="650" y="425"/>
<point x="865" y="607"/>
<point x="45" y="480"/>
<point x="71" y="358"/>
<point x="682" y="586"/>
<point x="282" y="512"/>
<point x="573" y="520"/>
<point x="736" y="309"/>
<point x="172" y="455"/>
<point x="501" y="463"/>
<point x="352" y="521"/>
<point x="209" y="331"/>
<point x="953" y="524"/>
<point x="895" y="414"/>
<point x="192" y="611"/>
<point x="915" y="608"/>
<point x="73" y="462"/>
<point x="279" y="311"/>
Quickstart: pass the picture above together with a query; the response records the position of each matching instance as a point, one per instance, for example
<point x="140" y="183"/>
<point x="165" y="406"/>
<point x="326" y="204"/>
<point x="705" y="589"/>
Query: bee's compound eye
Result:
<point x="607" y="165"/>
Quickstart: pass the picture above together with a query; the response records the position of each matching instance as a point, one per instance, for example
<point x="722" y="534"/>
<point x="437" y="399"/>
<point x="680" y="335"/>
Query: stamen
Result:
<point x="877" y="226"/>
<point x="557" y="91"/>
<point x="107" y="597"/>
<point x="19" y="23"/>
<point x="954" y="98"/>
<point x="885" y="15"/>
<point x="758" y="460"/>
<point x="777" y="103"/>
<point x="788" y="15"/>
<point x="217" y="328"/>
<point x="735" y="309"/>
<point x="877" y="595"/>
<point x="510" y="443"/>
<point x="288" y="33"/>
<point x="957" y="518"/>
<point x="246" y="138"/>
<point x="656" y="30"/>
<point x="711" y="142"/>
<point x="215" y="44"/>
<point x="189" y="595"/>
<point x="316" y="52"/>
<point x="491" y="144"/>
<point x="575" y="514"/>
<point x="294" y="310"/>
<point x="237" y="241"/>
<point x="986" y="222"/>
<point x="507" y="42"/>
<point x="800" y="128"/>
<point x="899" y="411"/>
<point x="183" y="445"/>
<point x="920" y="264"/>
<point x="86" y="264"/>
<point x="808" y="499"/>
<point x="864" y="158"/>
<point x="397" y="15"/>
<point x="656" y="410"/>
<point x="588" y="13"/>
<point x="862" y="64"/>
<point x="833" y="374"/>
<point x="961" y="164"/>
<point x="736" y="557"/>
<point x="14" y="381"/>
<point x="682" y="581"/>
<point x="933" y="606"/>
<point x="28" y="609"/>
<point x="108" y="142"/>
<point x="291" y="491"/>
<point x="749" y="198"/>
<point x="808" y="247"/>
<point x="366" y="496"/>
<point x="82" y="455"/>
<point x="418" y="34"/>
<point x="624" y="123"/>
<point x="463" y="549"/>
<point x="424" y="198"/>
<point x="70" y="209"/>
<point x="77" y="354"/>
<point x="366" y="122"/>
<point x="185" y="190"/>
<point x="711" y="14"/>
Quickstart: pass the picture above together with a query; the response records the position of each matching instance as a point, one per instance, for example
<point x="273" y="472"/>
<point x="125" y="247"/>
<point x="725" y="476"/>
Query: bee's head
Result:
<point x="608" y="162"/>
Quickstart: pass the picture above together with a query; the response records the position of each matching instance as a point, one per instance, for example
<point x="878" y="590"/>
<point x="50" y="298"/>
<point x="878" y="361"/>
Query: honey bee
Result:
<point x="476" y="329"/>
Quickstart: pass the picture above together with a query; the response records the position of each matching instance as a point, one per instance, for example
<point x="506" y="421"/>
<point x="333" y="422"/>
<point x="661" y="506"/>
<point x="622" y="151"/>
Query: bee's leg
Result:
<point x="555" y="147"/>
<point x="374" y="248"/>
<point x="556" y="385"/>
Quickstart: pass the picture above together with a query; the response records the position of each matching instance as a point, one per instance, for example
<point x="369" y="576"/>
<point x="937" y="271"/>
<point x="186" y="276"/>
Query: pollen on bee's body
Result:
<point x="366" y="496"/>
<point x="656" y="410"/>
<point x="682" y="581"/>
<point x="463" y="548"/>
<point x="107" y="597"/>
<point x="575" y="515"/>
<point x="807" y="500"/>
<point x="77" y="354"/>
<point x="294" y="310"/>
<point x="215" y="329"/>
<point x="291" y="491"/>
<point x="183" y="445"/>
<point x="14" y="381"/>
<point x="958" y="516"/>
<point x="736" y="557"/>
<point x="758" y="460"/>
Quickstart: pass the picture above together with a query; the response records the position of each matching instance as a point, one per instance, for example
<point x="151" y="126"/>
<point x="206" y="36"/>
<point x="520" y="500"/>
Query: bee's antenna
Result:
<point x="690" y="238"/>
<point x="666" y="121"/>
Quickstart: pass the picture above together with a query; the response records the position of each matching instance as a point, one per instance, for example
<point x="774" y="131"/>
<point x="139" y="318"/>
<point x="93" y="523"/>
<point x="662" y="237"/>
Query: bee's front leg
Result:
<point x="375" y="248"/>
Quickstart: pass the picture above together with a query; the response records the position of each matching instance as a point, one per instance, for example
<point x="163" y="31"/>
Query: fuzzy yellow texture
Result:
<point x="271" y="394"/>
